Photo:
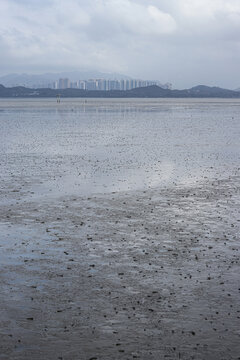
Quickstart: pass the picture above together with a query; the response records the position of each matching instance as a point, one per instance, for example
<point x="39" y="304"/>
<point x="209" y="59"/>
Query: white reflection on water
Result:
<point x="102" y="145"/>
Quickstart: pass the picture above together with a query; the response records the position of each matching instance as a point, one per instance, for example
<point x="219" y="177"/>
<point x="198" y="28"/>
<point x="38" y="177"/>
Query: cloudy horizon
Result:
<point x="185" y="42"/>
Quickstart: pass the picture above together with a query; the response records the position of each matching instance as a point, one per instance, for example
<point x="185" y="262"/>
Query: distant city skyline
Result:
<point x="79" y="80"/>
<point x="105" y="84"/>
<point x="178" y="41"/>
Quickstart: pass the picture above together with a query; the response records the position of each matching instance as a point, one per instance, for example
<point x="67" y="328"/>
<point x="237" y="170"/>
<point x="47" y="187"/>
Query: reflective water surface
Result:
<point x="103" y="145"/>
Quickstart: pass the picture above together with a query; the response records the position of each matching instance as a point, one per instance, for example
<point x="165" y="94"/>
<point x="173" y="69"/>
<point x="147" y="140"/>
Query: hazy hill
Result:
<point x="154" y="91"/>
<point x="211" y="91"/>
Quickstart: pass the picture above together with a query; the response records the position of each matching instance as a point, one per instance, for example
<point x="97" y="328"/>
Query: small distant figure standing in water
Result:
<point x="58" y="98"/>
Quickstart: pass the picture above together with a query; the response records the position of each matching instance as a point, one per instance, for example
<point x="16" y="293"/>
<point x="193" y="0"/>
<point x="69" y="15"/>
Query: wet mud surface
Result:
<point x="119" y="229"/>
<point x="148" y="274"/>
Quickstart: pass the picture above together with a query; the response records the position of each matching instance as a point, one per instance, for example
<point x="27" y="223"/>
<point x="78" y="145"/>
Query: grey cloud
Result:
<point x="186" y="42"/>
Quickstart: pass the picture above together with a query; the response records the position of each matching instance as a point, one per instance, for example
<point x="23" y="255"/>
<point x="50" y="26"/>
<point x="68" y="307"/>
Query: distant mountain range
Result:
<point x="200" y="91"/>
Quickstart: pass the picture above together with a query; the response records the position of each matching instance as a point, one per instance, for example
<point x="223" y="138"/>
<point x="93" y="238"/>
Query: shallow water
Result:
<point x="150" y="273"/>
<point x="101" y="145"/>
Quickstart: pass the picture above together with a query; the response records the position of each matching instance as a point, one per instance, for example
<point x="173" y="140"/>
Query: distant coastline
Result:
<point x="154" y="91"/>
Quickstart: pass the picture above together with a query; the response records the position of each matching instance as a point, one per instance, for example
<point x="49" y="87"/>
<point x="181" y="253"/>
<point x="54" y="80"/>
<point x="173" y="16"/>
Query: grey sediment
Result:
<point x="147" y="274"/>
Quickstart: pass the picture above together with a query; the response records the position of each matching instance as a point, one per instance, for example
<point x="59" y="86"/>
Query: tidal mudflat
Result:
<point x="119" y="227"/>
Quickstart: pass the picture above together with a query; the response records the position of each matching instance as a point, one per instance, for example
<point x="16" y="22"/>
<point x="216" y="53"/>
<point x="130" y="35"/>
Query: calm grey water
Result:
<point x="103" y="145"/>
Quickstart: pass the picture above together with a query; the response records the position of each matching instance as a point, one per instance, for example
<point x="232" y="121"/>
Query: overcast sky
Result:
<point x="186" y="42"/>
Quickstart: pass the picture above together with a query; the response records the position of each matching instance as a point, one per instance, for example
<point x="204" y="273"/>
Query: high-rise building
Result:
<point x="81" y="84"/>
<point x="105" y="85"/>
<point x="91" y="84"/>
<point x="63" y="83"/>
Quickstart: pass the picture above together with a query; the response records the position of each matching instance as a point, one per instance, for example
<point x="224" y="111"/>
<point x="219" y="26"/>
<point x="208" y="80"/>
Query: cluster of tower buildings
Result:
<point x="103" y="84"/>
